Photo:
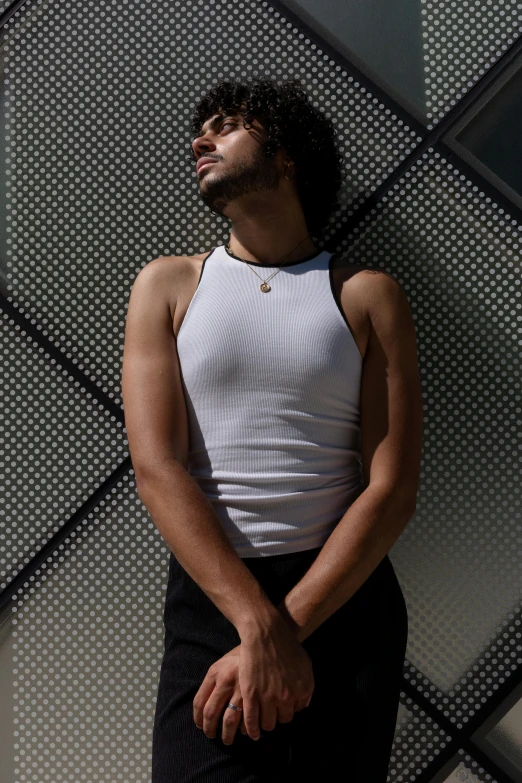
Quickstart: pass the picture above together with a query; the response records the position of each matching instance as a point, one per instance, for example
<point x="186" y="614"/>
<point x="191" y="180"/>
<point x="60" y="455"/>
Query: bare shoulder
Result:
<point x="382" y="294"/>
<point x="172" y="266"/>
<point x="371" y="288"/>
<point x="392" y="333"/>
<point x="172" y="275"/>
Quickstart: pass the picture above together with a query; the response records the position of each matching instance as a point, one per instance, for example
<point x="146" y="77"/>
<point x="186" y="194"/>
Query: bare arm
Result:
<point x="391" y="443"/>
<point x="157" y="431"/>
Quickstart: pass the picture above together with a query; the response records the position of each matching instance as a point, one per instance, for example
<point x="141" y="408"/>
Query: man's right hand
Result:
<point x="275" y="676"/>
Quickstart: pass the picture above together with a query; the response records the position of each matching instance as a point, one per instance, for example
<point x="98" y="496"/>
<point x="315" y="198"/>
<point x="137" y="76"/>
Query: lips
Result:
<point x="205" y="163"/>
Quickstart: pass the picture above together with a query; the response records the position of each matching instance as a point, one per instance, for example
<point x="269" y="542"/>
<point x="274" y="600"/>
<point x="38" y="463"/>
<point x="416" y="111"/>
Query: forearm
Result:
<point x="356" y="546"/>
<point x="192" y="530"/>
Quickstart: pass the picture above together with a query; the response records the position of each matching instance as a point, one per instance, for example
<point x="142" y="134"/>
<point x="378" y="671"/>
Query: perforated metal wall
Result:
<point x="458" y="560"/>
<point x="100" y="181"/>
<point x="461" y="41"/>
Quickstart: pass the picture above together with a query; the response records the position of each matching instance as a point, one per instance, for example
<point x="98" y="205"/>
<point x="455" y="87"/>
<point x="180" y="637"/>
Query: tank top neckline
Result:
<point x="273" y="266"/>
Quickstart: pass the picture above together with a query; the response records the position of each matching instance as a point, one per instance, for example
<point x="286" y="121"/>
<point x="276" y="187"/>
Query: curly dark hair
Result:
<point x="292" y="123"/>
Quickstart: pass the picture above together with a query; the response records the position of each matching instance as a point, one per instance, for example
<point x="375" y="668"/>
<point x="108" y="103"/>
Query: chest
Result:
<point x="346" y="299"/>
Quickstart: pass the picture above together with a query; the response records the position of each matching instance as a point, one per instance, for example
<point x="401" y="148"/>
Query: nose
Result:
<point x="201" y="145"/>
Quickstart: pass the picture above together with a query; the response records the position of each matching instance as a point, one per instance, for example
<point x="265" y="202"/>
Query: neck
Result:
<point x="271" y="237"/>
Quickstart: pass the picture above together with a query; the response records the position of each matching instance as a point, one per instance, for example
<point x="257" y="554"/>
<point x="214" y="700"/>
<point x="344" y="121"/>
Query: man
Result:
<point x="273" y="410"/>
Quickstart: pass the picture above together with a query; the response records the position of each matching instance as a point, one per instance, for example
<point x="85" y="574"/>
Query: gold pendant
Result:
<point x="264" y="287"/>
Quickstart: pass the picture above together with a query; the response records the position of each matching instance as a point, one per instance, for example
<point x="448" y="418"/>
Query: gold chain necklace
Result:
<point x="264" y="287"/>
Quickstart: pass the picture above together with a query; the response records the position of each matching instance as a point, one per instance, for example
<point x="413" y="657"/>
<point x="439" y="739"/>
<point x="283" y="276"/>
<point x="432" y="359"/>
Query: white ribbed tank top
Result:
<point x="271" y="383"/>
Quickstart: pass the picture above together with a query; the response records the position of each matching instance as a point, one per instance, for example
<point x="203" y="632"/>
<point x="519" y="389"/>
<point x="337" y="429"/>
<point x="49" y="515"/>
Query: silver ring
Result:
<point x="233" y="707"/>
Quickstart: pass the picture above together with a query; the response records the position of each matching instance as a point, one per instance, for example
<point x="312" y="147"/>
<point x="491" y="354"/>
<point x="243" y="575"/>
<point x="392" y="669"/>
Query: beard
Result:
<point x="260" y="174"/>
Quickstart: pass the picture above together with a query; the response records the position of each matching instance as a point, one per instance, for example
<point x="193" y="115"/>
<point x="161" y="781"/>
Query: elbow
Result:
<point x="141" y="480"/>
<point x="409" y="502"/>
<point x="143" y="474"/>
<point x="411" y="507"/>
<point x="405" y="493"/>
<point x="402" y="497"/>
<point x="147" y="475"/>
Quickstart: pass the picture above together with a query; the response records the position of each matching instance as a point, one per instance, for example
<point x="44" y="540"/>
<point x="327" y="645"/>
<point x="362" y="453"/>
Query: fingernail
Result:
<point x="256" y="738"/>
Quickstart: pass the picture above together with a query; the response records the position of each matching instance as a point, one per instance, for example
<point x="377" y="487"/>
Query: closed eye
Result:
<point x="193" y="156"/>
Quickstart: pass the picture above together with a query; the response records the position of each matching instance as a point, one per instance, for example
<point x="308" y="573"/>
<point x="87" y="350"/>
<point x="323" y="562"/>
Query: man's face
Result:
<point x="241" y="166"/>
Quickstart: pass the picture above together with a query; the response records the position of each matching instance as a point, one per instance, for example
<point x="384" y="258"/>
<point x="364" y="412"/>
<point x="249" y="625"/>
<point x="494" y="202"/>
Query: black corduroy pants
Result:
<point x="346" y="732"/>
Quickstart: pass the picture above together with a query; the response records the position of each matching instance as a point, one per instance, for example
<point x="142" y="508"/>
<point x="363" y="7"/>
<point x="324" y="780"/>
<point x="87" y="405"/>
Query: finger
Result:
<point x="242" y="727"/>
<point x="251" y="717"/>
<point x="201" y="698"/>
<point x="268" y="716"/>
<point x="232" y="718"/>
<point x="213" y="710"/>
<point x="301" y="704"/>
<point x="285" y="714"/>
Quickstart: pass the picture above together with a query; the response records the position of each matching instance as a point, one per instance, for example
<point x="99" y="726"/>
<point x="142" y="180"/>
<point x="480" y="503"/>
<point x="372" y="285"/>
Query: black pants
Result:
<point x="346" y="732"/>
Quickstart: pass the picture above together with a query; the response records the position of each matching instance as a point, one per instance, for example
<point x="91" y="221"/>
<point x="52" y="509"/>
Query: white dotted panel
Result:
<point x="100" y="179"/>
<point x="57" y="445"/>
<point x="417" y="743"/>
<point x="88" y="647"/>
<point x="470" y="771"/>
<point x="462" y="41"/>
